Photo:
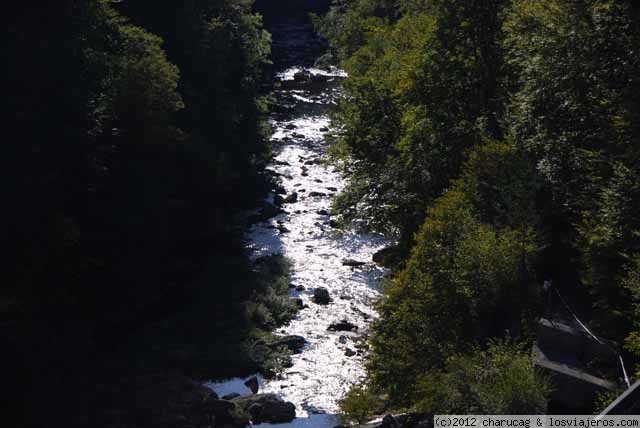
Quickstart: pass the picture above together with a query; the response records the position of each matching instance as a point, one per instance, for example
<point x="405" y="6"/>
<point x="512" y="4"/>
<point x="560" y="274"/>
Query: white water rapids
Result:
<point x="323" y="372"/>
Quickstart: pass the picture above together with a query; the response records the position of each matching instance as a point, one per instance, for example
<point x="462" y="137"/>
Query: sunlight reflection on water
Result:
<point x="322" y="373"/>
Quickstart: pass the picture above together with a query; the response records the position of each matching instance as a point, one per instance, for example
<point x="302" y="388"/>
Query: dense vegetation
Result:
<point x="499" y="141"/>
<point x="134" y="140"/>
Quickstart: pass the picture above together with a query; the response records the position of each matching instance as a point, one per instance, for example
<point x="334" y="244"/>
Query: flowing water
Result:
<point x="331" y="361"/>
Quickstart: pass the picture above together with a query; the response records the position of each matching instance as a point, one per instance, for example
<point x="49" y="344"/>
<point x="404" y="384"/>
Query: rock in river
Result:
<point x="321" y="296"/>
<point x="352" y="263"/>
<point x="291" y="198"/>
<point x="252" y="384"/>
<point x="298" y="302"/>
<point x="294" y="343"/>
<point x="343" y="325"/>
<point x="303" y="76"/>
<point x="267" y="408"/>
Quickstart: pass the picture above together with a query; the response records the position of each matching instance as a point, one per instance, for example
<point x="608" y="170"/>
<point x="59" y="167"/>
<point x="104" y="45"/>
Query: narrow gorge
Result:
<point x="333" y="273"/>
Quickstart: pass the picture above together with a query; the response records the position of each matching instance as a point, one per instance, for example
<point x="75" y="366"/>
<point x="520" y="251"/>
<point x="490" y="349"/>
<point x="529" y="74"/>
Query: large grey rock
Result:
<point x="343" y="325"/>
<point x="267" y="408"/>
<point x="385" y="256"/>
<point x="303" y="76"/>
<point x="253" y="384"/>
<point x="290" y="198"/>
<point x="405" y="420"/>
<point x="352" y="263"/>
<point x="321" y="296"/>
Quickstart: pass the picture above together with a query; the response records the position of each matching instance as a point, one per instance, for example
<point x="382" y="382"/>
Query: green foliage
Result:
<point x="631" y="281"/>
<point x="411" y="105"/>
<point x="270" y="305"/>
<point x="500" y="380"/>
<point x="360" y="403"/>
<point x="138" y="92"/>
<point x="514" y="127"/>
<point x="604" y="399"/>
<point x="571" y="109"/>
<point x="137" y="140"/>
<point x="466" y="280"/>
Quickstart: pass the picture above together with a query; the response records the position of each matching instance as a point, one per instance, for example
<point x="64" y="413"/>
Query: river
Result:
<point x="331" y="361"/>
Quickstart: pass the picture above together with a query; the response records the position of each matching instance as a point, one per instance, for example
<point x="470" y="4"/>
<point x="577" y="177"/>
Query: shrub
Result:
<point x="360" y="403"/>
<point x="499" y="380"/>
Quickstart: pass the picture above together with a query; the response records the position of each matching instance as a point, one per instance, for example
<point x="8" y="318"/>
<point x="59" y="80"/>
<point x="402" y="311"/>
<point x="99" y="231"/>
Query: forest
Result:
<point x="135" y="141"/>
<point x="497" y="142"/>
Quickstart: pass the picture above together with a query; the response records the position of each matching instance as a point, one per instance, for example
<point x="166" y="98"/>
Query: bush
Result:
<point x="499" y="380"/>
<point x="360" y="403"/>
<point x="464" y="282"/>
<point x="270" y="305"/>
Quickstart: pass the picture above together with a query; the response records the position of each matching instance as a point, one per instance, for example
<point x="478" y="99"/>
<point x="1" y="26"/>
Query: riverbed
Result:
<point x="306" y="233"/>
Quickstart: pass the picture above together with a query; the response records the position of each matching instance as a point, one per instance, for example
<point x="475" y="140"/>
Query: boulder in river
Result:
<point x="352" y="263"/>
<point x="267" y="408"/>
<point x="349" y="352"/>
<point x="343" y="325"/>
<point x="405" y="420"/>
<point x="298" y="301"/>
<point x="385" y="256"/>
<point x="317" y="194"/>
<point x="323" y="212"/>
<point x="303" y="76"/>
<point x="321" y="296"/>
<point x="294" y="343"/>
<point x="291" y="126"/>
<point x="290" y="199"/>
<point x="279" y="190"/>
<point x="253" y="384"/>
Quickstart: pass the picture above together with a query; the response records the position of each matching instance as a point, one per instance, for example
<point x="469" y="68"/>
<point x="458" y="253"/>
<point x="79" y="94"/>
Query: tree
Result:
<point x="572" y="110"/>
<point x="466" y="280"/>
